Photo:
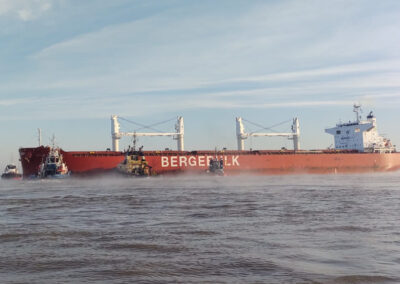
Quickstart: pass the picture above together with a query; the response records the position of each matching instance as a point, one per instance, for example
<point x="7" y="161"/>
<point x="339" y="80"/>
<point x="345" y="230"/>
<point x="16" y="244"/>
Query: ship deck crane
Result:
<point x="116" y="134"/>
<point x="242" y="135"/>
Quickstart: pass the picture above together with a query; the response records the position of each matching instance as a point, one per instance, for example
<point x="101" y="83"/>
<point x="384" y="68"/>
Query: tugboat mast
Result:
<point x="134" y="141"/>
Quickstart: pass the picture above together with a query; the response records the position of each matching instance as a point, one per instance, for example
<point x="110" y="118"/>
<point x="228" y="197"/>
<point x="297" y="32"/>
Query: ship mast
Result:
<point x="357" y="110"/>
<point x="53" y="141"/>
<point x="40" y="136"/>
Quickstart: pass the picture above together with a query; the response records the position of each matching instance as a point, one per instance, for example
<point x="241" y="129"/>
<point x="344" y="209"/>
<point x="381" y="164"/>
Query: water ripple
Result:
<point x="278" y="229"/>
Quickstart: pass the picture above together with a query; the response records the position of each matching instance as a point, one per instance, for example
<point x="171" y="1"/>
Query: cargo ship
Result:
<point x="358" y="148"/>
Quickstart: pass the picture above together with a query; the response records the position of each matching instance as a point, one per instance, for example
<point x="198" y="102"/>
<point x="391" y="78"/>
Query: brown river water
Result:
<point x="269" y="229"/>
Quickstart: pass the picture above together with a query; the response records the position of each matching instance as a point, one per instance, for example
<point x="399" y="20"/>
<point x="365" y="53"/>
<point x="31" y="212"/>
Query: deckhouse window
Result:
<point x="338" y="132"/>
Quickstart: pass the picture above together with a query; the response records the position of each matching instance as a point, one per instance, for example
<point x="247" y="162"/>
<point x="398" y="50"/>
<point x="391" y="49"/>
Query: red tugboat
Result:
<point x="358" y="148"/>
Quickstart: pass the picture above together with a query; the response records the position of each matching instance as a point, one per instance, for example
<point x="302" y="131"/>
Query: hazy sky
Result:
<point x="67" y="65"/>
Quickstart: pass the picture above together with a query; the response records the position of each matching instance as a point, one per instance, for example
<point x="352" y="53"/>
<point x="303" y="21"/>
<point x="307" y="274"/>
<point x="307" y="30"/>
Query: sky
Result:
<point x="67" y="65"/>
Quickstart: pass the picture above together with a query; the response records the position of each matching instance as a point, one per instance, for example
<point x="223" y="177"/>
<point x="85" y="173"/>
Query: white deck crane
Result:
<point x="242" y="135"/>
<point x="116" y="134"/>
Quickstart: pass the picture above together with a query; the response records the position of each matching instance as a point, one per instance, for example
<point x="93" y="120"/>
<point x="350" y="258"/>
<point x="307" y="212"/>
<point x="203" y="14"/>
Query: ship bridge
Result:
<point x="361" y="135"/>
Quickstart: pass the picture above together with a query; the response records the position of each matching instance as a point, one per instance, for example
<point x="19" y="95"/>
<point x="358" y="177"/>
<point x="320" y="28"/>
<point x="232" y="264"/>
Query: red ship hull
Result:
<point x="235" y="162"/>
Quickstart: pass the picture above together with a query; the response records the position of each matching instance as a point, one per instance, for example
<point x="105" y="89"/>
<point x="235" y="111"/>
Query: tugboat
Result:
<point x="135" y="165"/>
<point x="216" y="167"/>
<point x="53" y="166"/>
<point x="11" y="172"/>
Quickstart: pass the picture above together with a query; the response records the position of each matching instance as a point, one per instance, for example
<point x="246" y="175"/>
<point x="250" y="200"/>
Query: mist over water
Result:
<point x="268" y="229"/>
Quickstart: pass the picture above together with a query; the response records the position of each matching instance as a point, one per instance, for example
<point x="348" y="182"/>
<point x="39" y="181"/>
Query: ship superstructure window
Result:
<point x="338" y="132"/>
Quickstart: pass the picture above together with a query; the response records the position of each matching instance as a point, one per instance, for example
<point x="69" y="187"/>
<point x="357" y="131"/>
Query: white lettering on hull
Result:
<point x="164" y="162"/>
<point x="196" y="161"/>
<point x="182" y="161"/>
<point x="235" y="161"/>
<point x="174" y="161"/>
<point x="201" y="161"/>
<point x="226" y="163"/>
<point x="192" y="161"/>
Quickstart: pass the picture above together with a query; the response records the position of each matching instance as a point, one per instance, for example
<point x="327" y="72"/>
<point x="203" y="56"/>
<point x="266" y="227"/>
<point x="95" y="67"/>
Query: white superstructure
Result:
<point x="361" y="135"/>
<point x="242" y="135"/>
<point x="116" y="134"/>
